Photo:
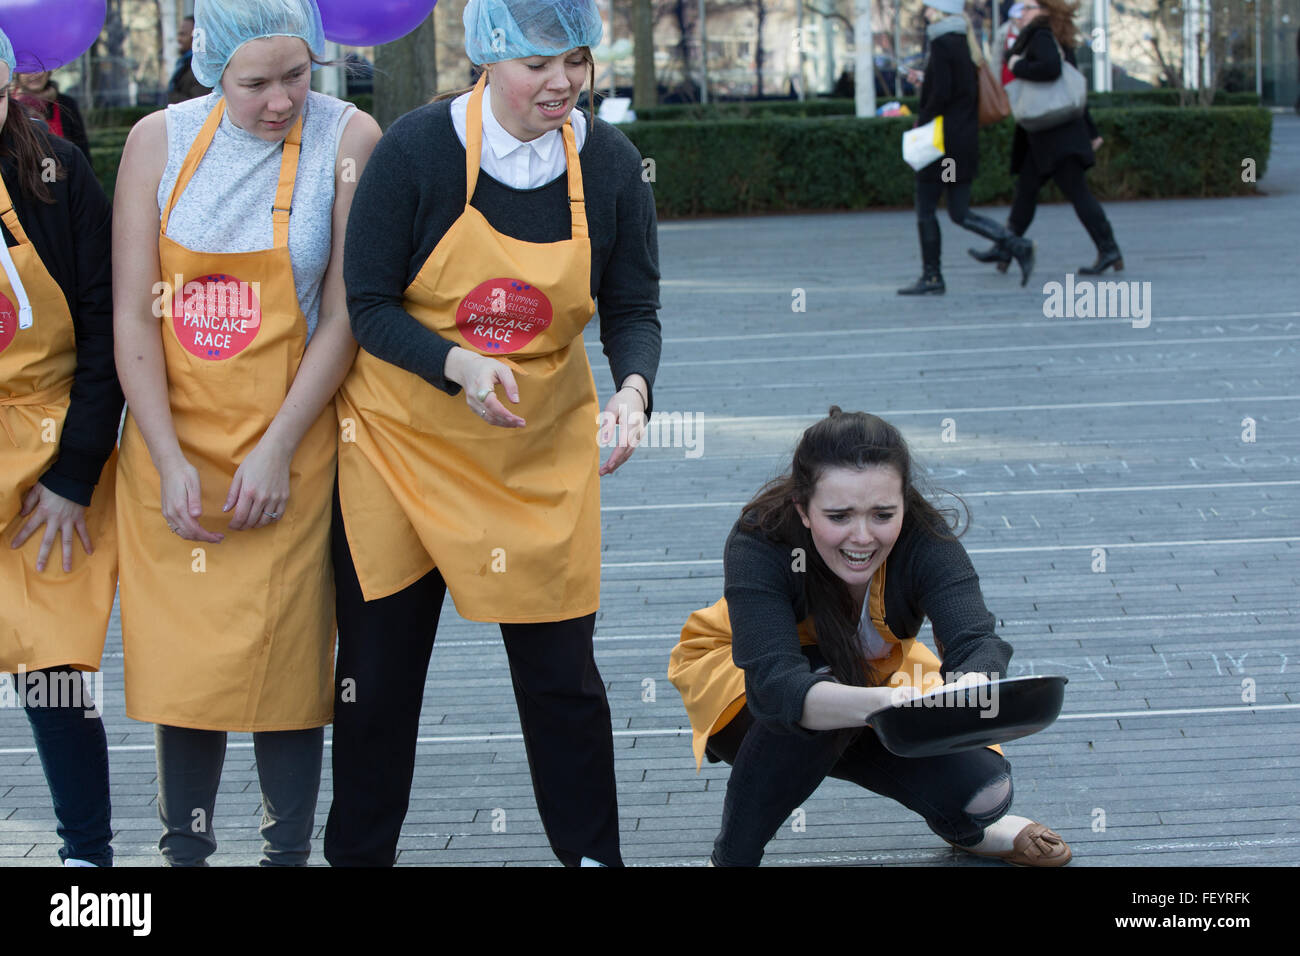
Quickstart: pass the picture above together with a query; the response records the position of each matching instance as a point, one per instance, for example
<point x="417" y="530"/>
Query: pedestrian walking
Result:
<point x="1062" y="153"/>
<point x="950" y="89"/>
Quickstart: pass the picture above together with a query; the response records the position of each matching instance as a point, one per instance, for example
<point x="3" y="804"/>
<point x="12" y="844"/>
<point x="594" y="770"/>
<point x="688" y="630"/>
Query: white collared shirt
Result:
<point x="510" y="161"/>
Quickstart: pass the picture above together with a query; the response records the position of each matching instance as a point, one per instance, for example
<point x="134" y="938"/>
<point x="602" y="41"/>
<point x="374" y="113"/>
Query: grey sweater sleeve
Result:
<point x="762" y="593"/>
<point x="628" y="298"/>
<point x="381" y="244"/>
<point x="943" y="586"/>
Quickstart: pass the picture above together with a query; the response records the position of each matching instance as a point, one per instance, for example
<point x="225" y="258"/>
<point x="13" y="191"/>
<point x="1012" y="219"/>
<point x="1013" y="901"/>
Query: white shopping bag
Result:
<point x="924" y="144"/>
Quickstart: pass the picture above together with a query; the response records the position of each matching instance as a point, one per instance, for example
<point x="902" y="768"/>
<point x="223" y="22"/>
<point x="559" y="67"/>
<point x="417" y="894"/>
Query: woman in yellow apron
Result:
<point x="229" y="217"/>
<point x="484" y="228"/>
<point x="59" y="410"/>
<point x="830" y="572"/>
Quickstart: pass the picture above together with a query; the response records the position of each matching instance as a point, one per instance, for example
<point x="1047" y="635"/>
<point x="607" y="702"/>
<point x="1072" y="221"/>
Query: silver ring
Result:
<point x="173" y="530"/>
<point x="483" y="412"/>
<point x="483" y="394"/>
<point x="272" y="515"/>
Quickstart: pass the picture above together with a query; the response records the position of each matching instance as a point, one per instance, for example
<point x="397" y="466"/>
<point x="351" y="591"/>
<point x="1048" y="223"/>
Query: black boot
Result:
<point x="1108" y="253"/>
<point x="931" y="281"/>
<point x="1007" y="245"/>
<point x="994" y="253"/>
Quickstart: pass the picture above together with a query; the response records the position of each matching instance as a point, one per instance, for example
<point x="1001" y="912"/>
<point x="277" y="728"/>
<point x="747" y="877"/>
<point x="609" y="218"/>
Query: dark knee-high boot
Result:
<point x="931" y="281"/>
<point x="1007" y="245"/>
<point x="1108" y="253"/>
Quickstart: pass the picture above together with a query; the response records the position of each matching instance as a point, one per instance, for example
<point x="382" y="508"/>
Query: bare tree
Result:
<point x="643" y="44"/>
<point x="406" y="73"/>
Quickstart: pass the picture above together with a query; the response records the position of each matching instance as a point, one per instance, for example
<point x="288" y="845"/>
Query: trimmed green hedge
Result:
<point x="792" y="109"/>
<point x="782" y="165"/>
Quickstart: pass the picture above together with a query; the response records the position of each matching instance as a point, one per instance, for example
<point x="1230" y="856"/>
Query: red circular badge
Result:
<point x="217" y="316"/>
<point x="8" y="321"/>
<point x="503" y="315"/>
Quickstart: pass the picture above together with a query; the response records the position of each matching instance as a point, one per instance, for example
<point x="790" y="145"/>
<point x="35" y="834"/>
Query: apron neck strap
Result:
<point x="474" y="156"/>
<point x="10" y="217"/>
<point x="290" y="152"/>
<point x="876" y="605"/>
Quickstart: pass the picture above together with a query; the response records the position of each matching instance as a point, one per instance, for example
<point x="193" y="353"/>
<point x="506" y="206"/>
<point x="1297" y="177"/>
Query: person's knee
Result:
<point x="991" y="802"/>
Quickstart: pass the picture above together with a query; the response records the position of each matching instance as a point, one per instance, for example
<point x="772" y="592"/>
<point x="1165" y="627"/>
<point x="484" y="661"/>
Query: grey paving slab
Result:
<point x="1068" y="435"/>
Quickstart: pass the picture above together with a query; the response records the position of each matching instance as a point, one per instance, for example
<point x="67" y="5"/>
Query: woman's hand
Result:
<point x="259" y="492"/>
<point x="622" y="423"/>
<point x="182" y="502"/>
<point x="1096" y="144"/>
<point x="479" y="376"/>
<point x="1011" y="63"/>
<point x="60" y="516"/>
<point x="829" y="705"/>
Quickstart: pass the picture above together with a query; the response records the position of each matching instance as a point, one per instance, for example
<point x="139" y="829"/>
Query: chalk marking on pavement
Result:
<point x="954" y="327"/>
<point x="683" y="731"/>
<point x="993" y="494"/>
<point x="1027" y="549"/>
<point x="976" y="409"/>
<point x="972" y="350"/>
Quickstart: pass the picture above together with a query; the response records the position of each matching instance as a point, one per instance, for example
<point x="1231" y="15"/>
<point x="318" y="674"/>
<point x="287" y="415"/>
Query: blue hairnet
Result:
<point x="221" y="27"/>
<point x="498" y="30"/>
<point x="7" y="54"/>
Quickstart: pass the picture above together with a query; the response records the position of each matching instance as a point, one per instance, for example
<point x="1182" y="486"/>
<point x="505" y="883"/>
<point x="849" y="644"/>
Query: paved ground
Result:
<point x="1071" y="434"/>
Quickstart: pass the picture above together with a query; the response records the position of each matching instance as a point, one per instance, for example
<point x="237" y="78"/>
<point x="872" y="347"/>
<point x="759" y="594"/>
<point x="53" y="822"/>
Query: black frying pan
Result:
<point x="978" y="716"/>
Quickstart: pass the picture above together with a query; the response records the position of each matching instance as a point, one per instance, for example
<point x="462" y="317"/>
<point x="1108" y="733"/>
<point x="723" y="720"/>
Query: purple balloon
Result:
<point x="46" y="34"/>
<point x="373" y="22"/>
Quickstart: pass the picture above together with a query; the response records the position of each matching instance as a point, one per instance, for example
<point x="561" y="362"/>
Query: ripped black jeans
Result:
<point x="773" y="772"/>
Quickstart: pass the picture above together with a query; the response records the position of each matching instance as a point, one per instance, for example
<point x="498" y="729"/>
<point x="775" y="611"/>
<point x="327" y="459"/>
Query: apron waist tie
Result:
<point x="44" y="397"/>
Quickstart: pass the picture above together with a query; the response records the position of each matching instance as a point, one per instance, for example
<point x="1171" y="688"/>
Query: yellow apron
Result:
<point x="237" y="635"/>
<point x="50" y="619"/>
<point x="511" y="517"/>
<point x="713" y="687"/>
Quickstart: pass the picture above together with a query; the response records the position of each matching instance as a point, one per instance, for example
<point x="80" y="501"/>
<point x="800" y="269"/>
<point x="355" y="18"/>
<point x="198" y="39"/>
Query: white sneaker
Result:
<point x="73" y="861"/>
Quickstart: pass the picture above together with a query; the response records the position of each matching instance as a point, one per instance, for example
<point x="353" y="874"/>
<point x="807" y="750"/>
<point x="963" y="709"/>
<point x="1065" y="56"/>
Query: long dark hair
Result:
<point x="842" y="440"/>
<point x="31" y="151"/>
<point x="1060" y="15"/>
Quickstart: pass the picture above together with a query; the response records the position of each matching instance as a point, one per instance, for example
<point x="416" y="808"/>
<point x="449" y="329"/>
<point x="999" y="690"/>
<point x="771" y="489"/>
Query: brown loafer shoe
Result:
<point x="1035" y="845"/>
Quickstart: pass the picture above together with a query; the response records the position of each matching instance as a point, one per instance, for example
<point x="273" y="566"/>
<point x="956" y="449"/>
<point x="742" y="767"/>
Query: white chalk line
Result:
<point x="1027" y="549"/>
<point x="1203" y="486"/>
<point x="684" y="731"/>
<point x="961" y="326"/>
<point x="978" y="409"/>
<point x="822" y="359"/>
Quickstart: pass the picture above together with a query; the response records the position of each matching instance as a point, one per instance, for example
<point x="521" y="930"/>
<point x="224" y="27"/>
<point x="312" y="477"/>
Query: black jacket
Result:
<point x="951" y="90"/>
<point x="1042" y="63"/>
<point x="73" y="238"/>
<point x="925" y="577"/>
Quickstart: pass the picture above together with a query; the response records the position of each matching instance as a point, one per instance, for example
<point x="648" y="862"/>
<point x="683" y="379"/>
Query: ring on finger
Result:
<point x="272" y="515"/>
<point x="483" y="393"/>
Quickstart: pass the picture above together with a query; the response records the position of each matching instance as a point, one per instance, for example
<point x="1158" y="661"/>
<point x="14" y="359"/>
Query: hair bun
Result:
<point x="835" y="410"/>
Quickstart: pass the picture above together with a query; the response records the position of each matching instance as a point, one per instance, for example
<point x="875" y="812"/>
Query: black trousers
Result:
<point x="773" y="772"/>
<point x="384" y="649"/>
<point x="1069" y="175"/>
